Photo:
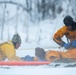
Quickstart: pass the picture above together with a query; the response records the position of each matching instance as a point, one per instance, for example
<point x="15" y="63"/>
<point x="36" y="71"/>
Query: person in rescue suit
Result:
<point x="69" y="30"/>
<point x="7" y="49"/>
<point x="55" y="56"/>
<point x="52" y="56"/>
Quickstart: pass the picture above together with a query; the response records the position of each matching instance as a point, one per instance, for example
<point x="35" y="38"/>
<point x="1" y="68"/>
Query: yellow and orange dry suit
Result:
<point x="53" y="55"/>
<point x="8" y="51"/>
<point x="71" y="35"/>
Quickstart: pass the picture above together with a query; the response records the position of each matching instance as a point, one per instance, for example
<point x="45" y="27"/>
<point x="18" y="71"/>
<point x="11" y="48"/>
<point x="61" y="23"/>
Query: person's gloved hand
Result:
<point x="66" y="45"/>
<point x="62" y="43"/>
<point x="27" y="58"/>
<point x="73" y="44"/>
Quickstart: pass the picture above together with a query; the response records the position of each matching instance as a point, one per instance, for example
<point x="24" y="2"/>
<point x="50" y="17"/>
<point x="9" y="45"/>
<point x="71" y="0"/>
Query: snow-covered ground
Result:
<point x="37" y="70"/>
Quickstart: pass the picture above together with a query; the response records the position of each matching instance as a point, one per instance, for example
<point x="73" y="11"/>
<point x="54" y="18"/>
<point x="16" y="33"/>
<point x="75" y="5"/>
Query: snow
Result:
<point x="37" y="70"/>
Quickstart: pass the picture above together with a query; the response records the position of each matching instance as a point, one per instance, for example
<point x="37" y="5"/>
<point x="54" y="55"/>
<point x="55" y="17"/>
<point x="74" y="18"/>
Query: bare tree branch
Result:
<point x="14" y="3"/>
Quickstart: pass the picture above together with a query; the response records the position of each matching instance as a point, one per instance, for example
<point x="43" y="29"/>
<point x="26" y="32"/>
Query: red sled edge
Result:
<point x="22" y="63"/>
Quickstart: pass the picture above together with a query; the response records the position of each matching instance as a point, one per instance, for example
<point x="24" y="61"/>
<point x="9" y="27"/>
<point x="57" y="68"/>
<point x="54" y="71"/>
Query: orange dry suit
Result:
<point x="71" y="35"/>
<point x="8" y="51"/>
<point x="52" y="55"/>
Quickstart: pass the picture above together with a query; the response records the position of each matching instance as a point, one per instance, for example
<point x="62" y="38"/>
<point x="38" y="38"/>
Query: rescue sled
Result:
<point x="23" y="63"/>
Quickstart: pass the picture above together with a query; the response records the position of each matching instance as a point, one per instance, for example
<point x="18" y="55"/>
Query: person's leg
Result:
<point x="2" y="58"/>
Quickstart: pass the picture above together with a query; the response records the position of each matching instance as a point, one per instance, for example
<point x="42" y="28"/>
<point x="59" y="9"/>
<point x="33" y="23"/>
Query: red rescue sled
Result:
<point x="22" y="63"/>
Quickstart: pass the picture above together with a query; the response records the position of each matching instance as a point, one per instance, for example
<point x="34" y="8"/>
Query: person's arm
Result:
<point x="58" y="35"/>
<point x="10" y="53"/>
